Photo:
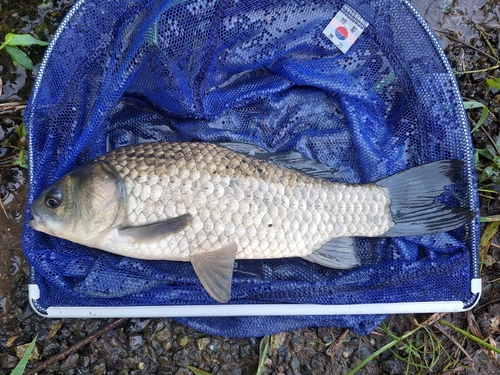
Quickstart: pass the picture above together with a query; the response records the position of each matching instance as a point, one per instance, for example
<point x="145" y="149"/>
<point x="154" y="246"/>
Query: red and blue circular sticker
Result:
<point x="343" y="31"/>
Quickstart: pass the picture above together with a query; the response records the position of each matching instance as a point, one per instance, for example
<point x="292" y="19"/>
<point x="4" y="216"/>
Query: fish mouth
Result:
<point x="37" y="222"/>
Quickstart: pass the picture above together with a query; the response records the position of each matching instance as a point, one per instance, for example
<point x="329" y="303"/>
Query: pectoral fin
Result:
<point x="215" y="270"/>
<point x="155" y="231"/>
<point x="337" y="253"/>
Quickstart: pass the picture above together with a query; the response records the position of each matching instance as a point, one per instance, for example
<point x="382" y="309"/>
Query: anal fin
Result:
<point x="337" y="253"/>
<point x="215" y="271"/>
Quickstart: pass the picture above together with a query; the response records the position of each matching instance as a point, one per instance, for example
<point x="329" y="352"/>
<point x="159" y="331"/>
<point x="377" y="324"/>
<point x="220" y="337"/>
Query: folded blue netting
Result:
<point x="260" y="72"/>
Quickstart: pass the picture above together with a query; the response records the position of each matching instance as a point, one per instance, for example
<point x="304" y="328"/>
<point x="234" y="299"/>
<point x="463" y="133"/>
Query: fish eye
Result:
<point x="53" y="198"/>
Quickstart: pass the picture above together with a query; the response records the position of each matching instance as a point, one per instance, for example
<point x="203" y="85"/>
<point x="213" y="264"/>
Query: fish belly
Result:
<point x="268" y="211"/>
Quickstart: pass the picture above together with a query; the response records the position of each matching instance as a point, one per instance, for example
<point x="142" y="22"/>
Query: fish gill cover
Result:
<point x="260" y="72"/>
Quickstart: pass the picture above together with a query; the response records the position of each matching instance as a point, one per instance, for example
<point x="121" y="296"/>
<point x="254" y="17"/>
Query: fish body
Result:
<point x="207" y="204"/>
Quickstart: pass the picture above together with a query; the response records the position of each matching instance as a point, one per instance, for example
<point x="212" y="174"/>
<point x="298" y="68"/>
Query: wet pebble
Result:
<point x="135" y="342"/>
<point x="201" y="343"/>
<point x="136" y="326"/>
<point x="34" y="356"/>
<point x="183" y="340"/>
<point x="50" y="347"/>
<point x="363" y="352"/>
<point x="318" y="361"/>
<point x="99" y="368"/>
<point x="214" y="346"/>
<point x="163" y="335"/>
<point x="297" y="343"/>
<point x="8" y="361"/>
<point x="70" y="362"/>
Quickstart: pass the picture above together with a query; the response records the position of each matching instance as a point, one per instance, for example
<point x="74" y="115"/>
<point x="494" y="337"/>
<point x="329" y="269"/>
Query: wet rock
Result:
<point x="246" y="351"/>
<point x="283" y="354"/>
<point x="295" y="363"/>
<point x="8" y="361"/>
<point x="164" y="361"/>
<point x="201" y="343"/>
<point x="163" y="335"/>
<point x="99" y="368"/>
<point x="318" y="361"/>
<point x="393" y="367"/>
<point x="70" y="362"/>
<point x="180" y="358"/>
<point x="135" y="342"/>
<point x="183" y="340"/>
<point x="136" y="326"/>
<point x="21" y="351"/>
<point x="363" y="352"/>
<point x="297" y="343"/>
<point x="50" y="347"/>
<point x="214" y="347"/>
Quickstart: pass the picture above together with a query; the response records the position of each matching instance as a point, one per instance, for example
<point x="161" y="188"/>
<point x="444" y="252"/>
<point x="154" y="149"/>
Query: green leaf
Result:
<point x="23" y="40"/>
<point x="19" y="369"/>
<point x="263" y="348"/>
<point x="197" y="371"/>
<point x="493" y="83"/>
<point x="470" y="336"/>
<point x="21" y="160"/>
<point x="19" y="57"/>
<point x="484" y="113"/>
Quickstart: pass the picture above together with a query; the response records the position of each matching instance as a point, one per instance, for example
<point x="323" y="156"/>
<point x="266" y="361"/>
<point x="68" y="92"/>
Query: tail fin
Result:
<point x="413" y="192"/>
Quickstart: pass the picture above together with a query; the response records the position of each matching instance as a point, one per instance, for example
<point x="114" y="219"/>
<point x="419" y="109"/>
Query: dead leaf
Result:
<point x="490" y="353"/>
<point x="494" y="323"/>
<point x="432" y="319"/>
<point x="54" y="329"/>
<point x="454" y="340"/>
<point x="10" y="341"/>
<point x="336" y="344"/>
<point x="485" y="243"/>
<point x="473" y="326"/>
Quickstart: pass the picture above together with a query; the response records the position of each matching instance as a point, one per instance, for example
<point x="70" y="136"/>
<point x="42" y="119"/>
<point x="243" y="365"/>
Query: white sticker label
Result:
<point x="345" y="28"/>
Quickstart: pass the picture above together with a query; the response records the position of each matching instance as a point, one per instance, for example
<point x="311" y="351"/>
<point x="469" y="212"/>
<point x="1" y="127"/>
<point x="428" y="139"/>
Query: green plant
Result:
<point x="263" y="349"/>
<point x="12" y="43"/>
<point x="19" y="369"/>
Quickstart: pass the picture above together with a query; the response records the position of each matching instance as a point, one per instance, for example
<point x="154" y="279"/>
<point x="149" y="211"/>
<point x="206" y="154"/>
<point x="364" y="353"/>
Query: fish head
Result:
<point x="83" y="205"/>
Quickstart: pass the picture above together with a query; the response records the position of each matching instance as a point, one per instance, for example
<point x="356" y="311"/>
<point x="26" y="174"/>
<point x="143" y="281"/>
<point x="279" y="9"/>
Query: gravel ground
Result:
<point x="162" y="346"/>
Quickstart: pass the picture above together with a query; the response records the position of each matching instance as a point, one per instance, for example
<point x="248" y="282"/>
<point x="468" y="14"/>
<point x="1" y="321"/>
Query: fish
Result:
<point x="210" y="204"/>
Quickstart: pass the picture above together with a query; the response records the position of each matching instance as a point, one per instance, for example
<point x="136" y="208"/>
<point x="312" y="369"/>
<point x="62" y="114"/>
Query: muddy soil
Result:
<point x="467" y="31"/>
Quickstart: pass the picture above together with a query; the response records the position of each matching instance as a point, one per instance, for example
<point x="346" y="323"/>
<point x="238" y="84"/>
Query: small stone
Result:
<point x="214" y="346"/>
<point x="70" y="362"/>
<point x="8" y="361"/>
<point x="114" y="342"/>
<point x="21" y="350"/>
<point x="246" y="351"/>
<point x="346" y="354"/>
<point x="295" y="363"/>
<point x="201" y="343"/>
<point x="164" y="361"/>
<point x="137" y="325"/>
<point x="297" y="343"/>
<point x="183" y="340"/>
<point x="318" y="361"/>
<point x="166" y="345"/>
<point x="50" y="347"/>
<point x="135" y="342"/>
<point x="163" y="335"/>
<point x="99" y="368"/>
<point x="364" y="352"/>
<point x="234" y="350"/>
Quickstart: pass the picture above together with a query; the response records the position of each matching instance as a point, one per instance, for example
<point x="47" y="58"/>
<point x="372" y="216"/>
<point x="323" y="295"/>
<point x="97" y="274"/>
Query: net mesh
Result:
<point x="260" y="72"/>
